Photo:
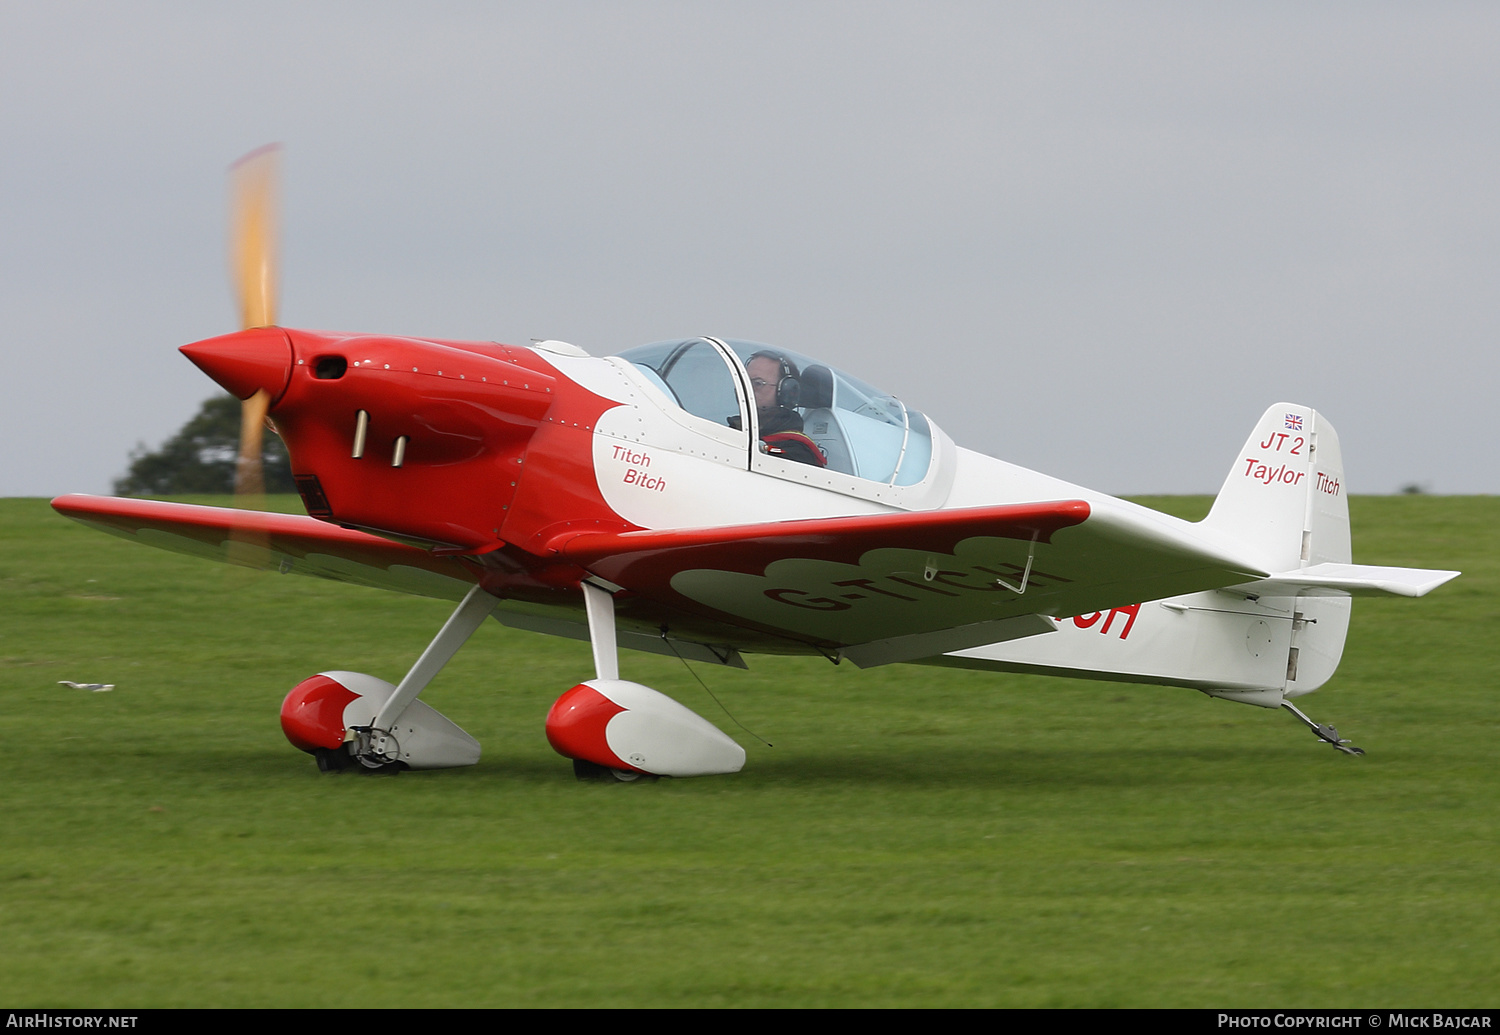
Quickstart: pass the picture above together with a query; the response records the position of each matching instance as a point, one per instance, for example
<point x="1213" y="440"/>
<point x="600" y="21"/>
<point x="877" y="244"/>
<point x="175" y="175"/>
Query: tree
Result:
<point x="200" y="458"/>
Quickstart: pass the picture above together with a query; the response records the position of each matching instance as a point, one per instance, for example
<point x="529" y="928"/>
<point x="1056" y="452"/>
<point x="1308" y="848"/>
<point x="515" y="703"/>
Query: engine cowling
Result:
<point x="334" y="709"/>
<point x="629" y="727"/>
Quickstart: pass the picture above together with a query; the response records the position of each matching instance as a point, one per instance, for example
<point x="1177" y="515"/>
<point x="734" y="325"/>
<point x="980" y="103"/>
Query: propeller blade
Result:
<point x="252" y="234"/>
<point x="253" y="222"/>
<point x="249" y="476"/>
<point x="247" y="546"/>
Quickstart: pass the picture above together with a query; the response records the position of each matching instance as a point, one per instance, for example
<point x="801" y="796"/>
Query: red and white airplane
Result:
<point x="710" y="498"/>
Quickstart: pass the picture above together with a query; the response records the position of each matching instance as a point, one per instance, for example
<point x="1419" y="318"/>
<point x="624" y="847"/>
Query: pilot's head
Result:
<point x="773" y="378"/>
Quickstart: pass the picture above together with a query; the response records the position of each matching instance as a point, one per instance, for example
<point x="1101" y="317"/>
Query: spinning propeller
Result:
<point x="253" y="221"/>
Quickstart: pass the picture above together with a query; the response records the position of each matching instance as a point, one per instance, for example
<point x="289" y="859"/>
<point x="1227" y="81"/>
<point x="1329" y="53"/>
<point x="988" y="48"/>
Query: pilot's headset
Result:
<point x="788" y="387"/>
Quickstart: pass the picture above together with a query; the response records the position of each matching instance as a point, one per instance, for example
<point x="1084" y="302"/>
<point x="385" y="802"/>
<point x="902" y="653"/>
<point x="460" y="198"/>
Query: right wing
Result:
<point x="274" y="542"/>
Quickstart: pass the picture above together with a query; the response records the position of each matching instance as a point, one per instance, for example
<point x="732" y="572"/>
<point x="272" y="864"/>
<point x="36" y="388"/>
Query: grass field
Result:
<point x="916" y="837"/>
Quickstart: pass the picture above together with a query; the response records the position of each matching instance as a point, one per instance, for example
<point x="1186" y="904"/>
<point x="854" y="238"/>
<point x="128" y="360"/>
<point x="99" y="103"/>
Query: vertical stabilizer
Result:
<point x="1284" y="498"/>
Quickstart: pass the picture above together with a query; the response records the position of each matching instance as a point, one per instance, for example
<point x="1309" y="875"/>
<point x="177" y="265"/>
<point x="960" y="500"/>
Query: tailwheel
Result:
<point x="1326" y="733"/>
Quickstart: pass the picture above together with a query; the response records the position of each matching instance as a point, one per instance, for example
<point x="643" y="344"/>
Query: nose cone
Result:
<point x="246" y="361"/>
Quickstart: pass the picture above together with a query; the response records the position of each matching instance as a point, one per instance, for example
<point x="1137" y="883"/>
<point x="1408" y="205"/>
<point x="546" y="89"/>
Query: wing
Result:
<point x="281" y="542"/>
<point x="899" y="586"/>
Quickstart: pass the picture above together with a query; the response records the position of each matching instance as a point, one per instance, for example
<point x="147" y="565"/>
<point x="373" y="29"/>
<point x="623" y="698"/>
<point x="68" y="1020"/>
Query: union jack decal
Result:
<point x="1294" y="421"/>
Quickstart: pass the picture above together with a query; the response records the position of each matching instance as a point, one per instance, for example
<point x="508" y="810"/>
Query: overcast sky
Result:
<point x="1094" y="239"/>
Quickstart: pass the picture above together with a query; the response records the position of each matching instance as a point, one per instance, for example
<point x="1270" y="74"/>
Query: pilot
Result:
<point x="774" y="380"/>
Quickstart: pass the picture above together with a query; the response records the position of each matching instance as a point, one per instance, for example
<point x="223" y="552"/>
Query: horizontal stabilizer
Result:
<point x="1358" y="580"/>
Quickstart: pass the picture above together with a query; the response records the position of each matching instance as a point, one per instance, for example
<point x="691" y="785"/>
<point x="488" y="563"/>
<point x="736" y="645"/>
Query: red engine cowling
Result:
<point x="329" y="710"/>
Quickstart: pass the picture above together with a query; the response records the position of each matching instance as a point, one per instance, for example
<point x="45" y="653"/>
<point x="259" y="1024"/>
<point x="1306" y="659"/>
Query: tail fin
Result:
<point x="1285" y="498"/>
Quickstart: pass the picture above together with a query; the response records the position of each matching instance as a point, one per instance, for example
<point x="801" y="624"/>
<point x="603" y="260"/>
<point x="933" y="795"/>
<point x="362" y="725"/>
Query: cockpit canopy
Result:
<point x="859" y="430"/>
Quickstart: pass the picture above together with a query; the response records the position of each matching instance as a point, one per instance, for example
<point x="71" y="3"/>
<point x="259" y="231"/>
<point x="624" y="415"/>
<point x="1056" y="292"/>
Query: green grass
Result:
<point x="916" y="837"/>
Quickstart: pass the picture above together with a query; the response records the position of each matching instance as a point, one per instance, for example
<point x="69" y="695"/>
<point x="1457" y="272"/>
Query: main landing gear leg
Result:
<point x="376" y="745"/>
<point x="1327" y="734"/>
<point x="600" y="605"/>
